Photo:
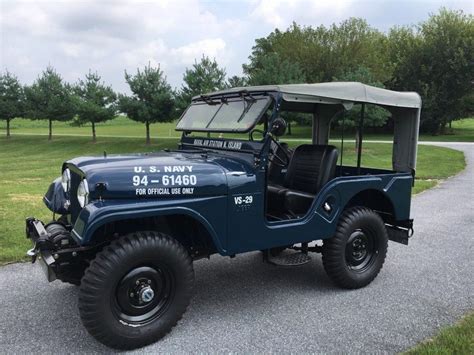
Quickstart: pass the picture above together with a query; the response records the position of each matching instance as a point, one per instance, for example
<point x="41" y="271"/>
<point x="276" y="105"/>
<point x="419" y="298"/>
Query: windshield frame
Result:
<point x="259" y="149"/>
<point x="221" y="100"/>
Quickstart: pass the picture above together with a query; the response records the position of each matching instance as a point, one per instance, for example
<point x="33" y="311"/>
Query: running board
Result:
<point x="289" y="259"/>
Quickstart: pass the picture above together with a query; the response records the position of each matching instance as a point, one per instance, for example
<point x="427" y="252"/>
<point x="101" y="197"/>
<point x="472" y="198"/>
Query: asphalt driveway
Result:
<point x="244" y="305"/>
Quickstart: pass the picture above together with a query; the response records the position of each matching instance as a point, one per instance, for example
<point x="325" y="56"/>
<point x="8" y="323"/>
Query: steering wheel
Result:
<point x="255" y="130"/>
<point x="277" y="160"/>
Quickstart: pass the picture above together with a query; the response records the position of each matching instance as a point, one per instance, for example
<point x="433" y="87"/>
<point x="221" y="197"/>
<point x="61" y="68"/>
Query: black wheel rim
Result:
<point x="143" y="294"/>
<point x="361" y="250"/>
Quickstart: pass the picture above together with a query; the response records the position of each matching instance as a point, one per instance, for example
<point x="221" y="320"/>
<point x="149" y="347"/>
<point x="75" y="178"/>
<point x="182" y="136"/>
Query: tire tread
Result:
<point x="334" y="248"/>
<point x="103" y="264"/>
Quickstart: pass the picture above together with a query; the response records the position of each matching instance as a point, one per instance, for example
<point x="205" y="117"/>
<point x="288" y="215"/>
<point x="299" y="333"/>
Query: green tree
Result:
<point x="274" y="70"/>
<point x="151" y="100"/>
<point x="205" y="76"/>
<point x="323" y="53"/>
<point x="236" y="81"/>
<point x="12" y="100"/>
<point x="96" y="102"/>
<point x="467" y="105"/>
<point x="50" y="98"/>
<point x="436" y="59"/>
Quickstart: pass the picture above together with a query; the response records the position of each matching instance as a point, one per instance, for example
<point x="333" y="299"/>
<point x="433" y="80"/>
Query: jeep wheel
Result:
<point x="136" y="290"/>
<point x="354" y="256"/>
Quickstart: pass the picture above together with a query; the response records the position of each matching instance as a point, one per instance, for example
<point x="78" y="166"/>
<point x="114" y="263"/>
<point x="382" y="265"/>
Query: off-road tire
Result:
<point x="339" y="261"/>
<point x="102" y="289"/>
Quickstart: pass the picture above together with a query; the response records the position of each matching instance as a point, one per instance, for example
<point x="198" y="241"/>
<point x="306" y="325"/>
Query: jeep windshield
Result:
<point x="237" y="115"/>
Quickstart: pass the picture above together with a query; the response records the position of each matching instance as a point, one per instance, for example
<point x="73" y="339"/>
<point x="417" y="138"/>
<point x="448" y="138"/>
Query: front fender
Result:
<point x="98" y="213"/>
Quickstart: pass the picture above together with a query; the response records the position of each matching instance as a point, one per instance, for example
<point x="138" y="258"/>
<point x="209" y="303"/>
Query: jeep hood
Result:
<point x="156" y="175"/>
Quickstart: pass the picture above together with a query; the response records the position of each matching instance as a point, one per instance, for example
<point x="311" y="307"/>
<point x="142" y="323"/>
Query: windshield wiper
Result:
<point x="246" y="107"/>
<point x="215" y="115"/>
<point x="247" y="96"/>
<point x="208" y="100"/>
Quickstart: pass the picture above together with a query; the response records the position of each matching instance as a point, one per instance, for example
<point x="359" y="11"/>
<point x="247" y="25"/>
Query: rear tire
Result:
<point x="354" y="256"/>
<point x="136" y="290"/>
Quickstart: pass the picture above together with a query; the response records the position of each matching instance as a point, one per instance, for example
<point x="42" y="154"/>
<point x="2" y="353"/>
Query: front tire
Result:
<point x="136" y="290"/>
<point x="354" y="256"/>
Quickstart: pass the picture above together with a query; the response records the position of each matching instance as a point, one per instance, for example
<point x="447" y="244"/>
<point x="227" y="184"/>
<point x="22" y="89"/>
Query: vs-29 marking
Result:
<point x="243" y="200"/>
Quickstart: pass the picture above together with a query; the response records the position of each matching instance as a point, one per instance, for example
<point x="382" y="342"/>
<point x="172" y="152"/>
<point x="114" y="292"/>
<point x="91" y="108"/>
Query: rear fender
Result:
<point x="342" y="192"/>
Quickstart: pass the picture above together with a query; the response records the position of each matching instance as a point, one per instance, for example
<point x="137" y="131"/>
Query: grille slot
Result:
<point x="75" y="207"/>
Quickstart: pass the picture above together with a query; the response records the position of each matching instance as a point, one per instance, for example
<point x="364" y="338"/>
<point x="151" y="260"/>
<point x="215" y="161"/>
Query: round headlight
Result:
<point x="83" y="193"/>
<point x="66" y="180"/>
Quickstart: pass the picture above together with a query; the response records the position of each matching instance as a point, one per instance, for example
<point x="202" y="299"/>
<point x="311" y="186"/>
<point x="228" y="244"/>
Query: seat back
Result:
<point x="311" y="167"/>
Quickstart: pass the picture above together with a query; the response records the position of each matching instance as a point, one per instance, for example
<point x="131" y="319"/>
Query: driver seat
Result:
<point x="310" y="168"/>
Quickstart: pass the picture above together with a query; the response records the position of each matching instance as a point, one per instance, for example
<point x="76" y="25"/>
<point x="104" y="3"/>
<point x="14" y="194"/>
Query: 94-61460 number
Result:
<point x="166" y="180"/>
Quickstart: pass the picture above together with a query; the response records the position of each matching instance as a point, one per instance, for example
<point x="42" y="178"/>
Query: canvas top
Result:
<point x="335" y="92"/>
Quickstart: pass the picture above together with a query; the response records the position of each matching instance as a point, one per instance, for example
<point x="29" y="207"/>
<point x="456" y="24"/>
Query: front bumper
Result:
<point x="43" y="247"/>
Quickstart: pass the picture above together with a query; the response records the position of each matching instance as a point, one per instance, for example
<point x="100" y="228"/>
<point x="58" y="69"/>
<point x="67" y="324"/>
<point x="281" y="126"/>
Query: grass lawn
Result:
<point x="457" y="339"/>
<point x="462" y="130"/>
<point x="120" y="126"/>
<point x="29" y="163"/>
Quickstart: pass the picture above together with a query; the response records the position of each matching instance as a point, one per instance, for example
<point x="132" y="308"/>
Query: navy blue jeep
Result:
<point x="127" y="228"/>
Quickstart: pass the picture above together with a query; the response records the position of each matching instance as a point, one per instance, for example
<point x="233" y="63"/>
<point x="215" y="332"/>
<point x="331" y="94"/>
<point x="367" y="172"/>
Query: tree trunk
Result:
<point x="94" y="139"/>
<point x="50" y="137"/>
<point x="147" y="124"/>
<point x="289" y="128"/>
<point x="442" y="128"/>
<point x="357" y="140"/>
<point x="8" y="128"/>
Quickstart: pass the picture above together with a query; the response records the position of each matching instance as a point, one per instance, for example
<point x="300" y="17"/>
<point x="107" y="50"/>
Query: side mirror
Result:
<point x="278" y="127"/>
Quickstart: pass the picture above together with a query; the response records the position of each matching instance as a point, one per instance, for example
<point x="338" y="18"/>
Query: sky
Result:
<point x="112" y="36"/>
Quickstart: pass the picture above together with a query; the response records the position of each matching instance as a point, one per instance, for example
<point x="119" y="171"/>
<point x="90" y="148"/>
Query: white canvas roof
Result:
<point x="336" y="92"/>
